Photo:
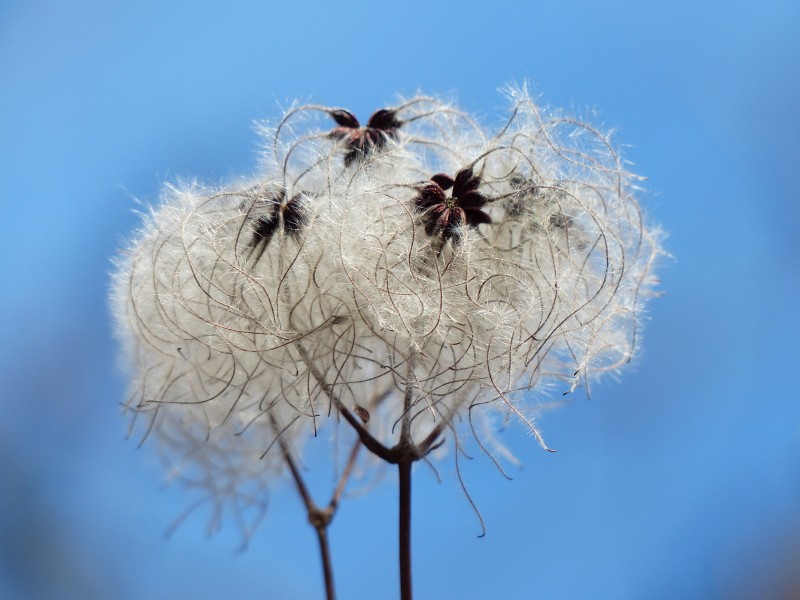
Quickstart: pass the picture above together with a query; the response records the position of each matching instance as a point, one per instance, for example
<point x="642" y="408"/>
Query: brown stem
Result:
<point x="403" y="454"/>
<point x="320" y="519"/>
<point x="369" y="441"/>
<point x="348" y="469"/>
<point x="324" y="550"/>
<point x="408" y="456"/>
<point x="404" y="469"/>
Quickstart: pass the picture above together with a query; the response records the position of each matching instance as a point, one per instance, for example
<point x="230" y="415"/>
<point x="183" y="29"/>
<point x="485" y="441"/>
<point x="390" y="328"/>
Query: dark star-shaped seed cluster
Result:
<point x="360" y="141"/>
<point x="444" y="215"/>
<point x="290" y="215"/>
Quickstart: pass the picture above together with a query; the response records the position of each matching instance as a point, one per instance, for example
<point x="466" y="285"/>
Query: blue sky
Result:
<point x="679" y="481"/>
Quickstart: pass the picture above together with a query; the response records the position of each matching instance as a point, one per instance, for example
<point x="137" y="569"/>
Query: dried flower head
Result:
<point x="360" y="141"/>
<point x="361" y="302"/>
<point x="446" y="215"/>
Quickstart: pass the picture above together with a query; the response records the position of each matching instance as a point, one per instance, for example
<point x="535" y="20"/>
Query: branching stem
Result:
<point x="403" y="454"/>
<point x="320" y="518"/>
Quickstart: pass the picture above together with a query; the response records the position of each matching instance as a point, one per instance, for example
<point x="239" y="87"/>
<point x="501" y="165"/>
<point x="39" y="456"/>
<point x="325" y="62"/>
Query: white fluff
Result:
<point x="232" y="343"/>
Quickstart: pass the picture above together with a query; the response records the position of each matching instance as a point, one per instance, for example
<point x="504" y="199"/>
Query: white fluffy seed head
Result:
<point x="263" y="309"/>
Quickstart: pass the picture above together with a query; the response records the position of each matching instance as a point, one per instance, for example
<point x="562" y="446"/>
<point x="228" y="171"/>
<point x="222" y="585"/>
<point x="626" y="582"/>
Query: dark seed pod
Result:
<point x="444" y="215"/>
<point x="360" y="142"/>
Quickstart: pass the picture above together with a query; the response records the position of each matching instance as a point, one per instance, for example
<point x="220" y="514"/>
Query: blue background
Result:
<point x="680" y="481"/>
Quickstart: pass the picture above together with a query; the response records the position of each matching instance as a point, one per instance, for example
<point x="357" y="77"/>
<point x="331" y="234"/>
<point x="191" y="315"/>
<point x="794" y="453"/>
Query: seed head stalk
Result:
<point x="321" y="518"/>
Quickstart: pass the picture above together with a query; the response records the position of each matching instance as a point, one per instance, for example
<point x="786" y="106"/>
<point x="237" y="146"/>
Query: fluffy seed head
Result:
<point x="381" y="284"/>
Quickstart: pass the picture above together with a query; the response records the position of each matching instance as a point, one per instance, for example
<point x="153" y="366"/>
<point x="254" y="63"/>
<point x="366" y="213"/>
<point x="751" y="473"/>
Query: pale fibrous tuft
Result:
<point x="412" y="261"/>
